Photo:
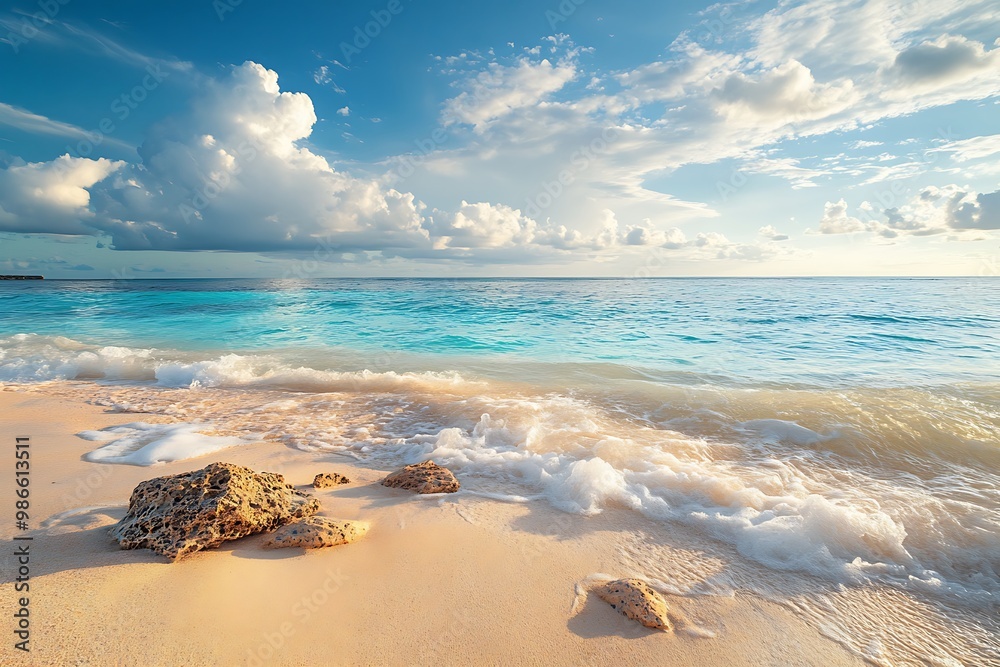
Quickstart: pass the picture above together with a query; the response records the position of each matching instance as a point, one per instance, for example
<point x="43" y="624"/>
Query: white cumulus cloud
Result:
<point x="51" y="197"/>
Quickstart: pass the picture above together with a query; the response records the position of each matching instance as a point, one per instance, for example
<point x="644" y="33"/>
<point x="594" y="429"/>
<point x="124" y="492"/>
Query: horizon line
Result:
<point x="676" y="277"/>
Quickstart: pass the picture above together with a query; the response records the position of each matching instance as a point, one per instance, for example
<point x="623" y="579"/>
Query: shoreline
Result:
<point x="439" y="580"/>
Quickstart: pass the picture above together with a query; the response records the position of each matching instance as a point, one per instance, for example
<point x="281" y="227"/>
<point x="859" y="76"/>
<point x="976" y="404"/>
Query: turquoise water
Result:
<point x="839" y="438"/>
<point x="830" y="332"/>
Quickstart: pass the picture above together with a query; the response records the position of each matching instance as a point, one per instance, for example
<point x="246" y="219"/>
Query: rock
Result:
<point x="426" y="477"/>
<point x="637" y="600"/>
<point x="327" y="479"/>
<point x="180" y="514"/>
<point x="315" y="532"/>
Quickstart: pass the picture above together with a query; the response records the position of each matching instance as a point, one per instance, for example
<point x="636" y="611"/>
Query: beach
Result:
<point x="559" y="333"/>
<point x="802" y="481"/>
<point x="438" y="580"/>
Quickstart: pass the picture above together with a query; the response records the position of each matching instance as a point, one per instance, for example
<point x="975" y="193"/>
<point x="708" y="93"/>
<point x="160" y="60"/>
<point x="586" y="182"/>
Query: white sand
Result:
<point x="454" y="580"/>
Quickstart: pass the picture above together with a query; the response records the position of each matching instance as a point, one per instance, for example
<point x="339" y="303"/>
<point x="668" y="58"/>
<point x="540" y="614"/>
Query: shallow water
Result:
<point x="838" y="437"/>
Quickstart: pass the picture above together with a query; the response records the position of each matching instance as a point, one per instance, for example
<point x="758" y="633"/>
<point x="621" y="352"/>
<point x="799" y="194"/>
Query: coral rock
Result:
<point x="180" y="514"/>
<point x="315" y="532"/>
<point x="426" y="477"/>
<point x="327" y="479"/>
<point x="637" y="600"/>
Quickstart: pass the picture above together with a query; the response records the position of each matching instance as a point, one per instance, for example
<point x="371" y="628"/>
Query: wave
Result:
<point x="856" y="486"/>
<point x="34" y="358"/>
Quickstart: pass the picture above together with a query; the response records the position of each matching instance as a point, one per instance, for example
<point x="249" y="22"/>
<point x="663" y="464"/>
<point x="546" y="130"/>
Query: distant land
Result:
<point x="22" y="277"/>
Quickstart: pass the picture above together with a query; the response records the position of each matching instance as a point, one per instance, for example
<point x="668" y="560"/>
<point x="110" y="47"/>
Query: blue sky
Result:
<point x="843" y="137"/>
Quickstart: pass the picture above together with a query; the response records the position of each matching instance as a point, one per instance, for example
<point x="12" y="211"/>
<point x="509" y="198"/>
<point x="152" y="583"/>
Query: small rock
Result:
<point x="315" y="532"/>
<point x="327" y="479"/>
<point x="426" y="477"/>
<point x="179" y="514"/>
<point x="637" y="600"/>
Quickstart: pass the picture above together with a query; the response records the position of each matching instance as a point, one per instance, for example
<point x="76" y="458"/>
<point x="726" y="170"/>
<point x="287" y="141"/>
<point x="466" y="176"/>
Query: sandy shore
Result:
<point x="454" y="580"/>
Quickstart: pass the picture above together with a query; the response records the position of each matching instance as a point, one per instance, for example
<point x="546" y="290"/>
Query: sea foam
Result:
<point x="143" y="444"/>
<point x="849" y="496"/>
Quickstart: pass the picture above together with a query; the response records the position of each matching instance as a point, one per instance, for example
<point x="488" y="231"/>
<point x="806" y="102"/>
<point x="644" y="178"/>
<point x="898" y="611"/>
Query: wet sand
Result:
<point x="452" y="580"/>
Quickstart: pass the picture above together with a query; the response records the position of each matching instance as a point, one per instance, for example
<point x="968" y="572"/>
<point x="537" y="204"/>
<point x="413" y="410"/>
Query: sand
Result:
<point x="450" y="580"/>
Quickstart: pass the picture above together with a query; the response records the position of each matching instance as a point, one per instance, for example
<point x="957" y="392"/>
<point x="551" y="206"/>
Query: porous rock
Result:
<point x="315" y="532"/>
<point x="637" y="600"/>
<point x="426" y="477"/>
<point x="180" y="514"/>
<point x="328" y="479"/>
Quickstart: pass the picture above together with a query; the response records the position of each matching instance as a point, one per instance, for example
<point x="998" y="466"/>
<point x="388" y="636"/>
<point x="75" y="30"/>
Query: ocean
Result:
<point x="829" y="443"/>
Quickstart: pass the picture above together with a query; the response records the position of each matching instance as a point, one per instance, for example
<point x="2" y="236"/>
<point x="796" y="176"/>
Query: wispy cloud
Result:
<point x="87" y="38"/>
<point x="61" y="34"/>
<point x="971" y="149"/>
<point x="27" y="121"/>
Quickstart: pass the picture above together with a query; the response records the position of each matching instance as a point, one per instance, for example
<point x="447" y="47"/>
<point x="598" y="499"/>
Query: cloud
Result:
<point x="237" y="171"/>
<point x="645" y="235"/>
<point x="981" y="211"/>
<point x="971" y="149"/>
<point x="27" y="121"/>
<point x="769" y="232"/>
<point x="950" y="209"/>
<point x="344" y="111"/>
<point x="849" y="36"/>
<point x="807" y="71"/>
<point x="484" y="225"/>
<point x="88" y="39"/>
<point x="322" y="75"/>
<point x="948" y="59"/>
<point x="786" y="93"/>
<point x="51" y="197"/>
<point x="229" y="175"/>
<point x="232" y="176"/>
<point x="835" y="220"/>
<point x="788" y="168"/>
<point x="501" y="90"/>
<point x="694" y="71"/>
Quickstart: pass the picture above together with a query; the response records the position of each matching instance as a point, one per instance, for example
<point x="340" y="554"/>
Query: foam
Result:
<point x="782" y="514"/>
<point x="143" y="444"/>
<point x="780" y="430"/>
<point x="848" y="503"/>
<point x="32" y="358"/>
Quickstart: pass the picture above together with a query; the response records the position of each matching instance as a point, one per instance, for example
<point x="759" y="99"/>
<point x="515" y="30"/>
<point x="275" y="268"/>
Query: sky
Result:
<point x="237" y="138"/>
